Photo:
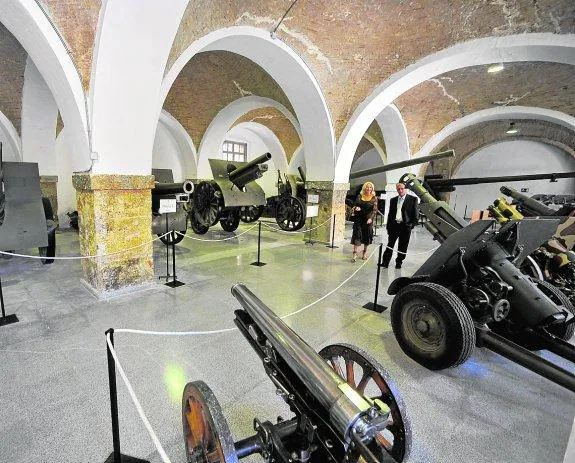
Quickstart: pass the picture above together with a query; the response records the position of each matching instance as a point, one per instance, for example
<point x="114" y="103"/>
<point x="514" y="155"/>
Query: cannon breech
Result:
<point x="528" y="205"/>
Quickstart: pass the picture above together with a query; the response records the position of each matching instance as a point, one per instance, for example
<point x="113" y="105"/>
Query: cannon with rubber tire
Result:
<point x="345" y="406"/>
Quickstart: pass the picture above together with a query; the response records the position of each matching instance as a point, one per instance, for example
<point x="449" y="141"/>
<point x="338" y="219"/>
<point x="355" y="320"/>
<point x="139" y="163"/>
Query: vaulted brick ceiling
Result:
<point x="12" y="66"/>
<point x="432" y="105"/>
<point x="278" y="124"/>
<point x="212" y="80"/>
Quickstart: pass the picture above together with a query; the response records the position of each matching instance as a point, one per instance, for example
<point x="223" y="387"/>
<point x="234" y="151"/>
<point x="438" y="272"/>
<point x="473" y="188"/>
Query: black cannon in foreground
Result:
<point x="471" y="292"/>
<point x="221" y="199"/>
<point x="345" y="405"/>
<point x="181" y="192"/>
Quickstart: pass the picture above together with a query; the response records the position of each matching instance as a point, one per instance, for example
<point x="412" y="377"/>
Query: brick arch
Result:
<point x="524" y="47"/>
<point x="290" y="72"/>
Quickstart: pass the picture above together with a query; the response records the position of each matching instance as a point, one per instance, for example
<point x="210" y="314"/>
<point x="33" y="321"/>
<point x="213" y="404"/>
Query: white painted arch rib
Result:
<point x="290" y="72"/>
<point x="270" y="140"/>
<point x="187" y="150"/>
<point x="28" y="23"/>
<point x="13" y="138"/>
<point x="525" y="47"/>
<point x="215" y="134"/>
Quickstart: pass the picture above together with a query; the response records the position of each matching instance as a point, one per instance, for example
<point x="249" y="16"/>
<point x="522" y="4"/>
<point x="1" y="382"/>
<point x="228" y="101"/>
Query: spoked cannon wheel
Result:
<point x="197" y="227"/>
<point x="206" y="203"/>
<point x="207" y="436"/>
<point x="230" y="220"/>
<point x="370" y="379"/>
<point x="290" y="213"/>
<point x="250" y="214"/>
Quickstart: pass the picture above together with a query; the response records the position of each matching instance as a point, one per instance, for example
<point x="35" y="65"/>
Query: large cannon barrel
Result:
<point x="531" y="205"/>
<point x="161" y="189"/>
<point x="247" y="173"/>
<point x="402" y="164"/>
<point x="445" y="184"/>
<point x="301" y="173"/>
<point x="344" y="404"/>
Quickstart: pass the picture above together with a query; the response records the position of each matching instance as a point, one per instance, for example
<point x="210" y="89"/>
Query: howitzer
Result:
<point x="337" y="417"/>
<point x="471" y="291"/>
<point x="232" y="188"/>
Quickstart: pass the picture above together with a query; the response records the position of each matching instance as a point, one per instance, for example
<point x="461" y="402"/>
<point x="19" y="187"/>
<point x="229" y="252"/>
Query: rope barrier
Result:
<point x="279" y="230"/>
<point x="414" y="253"/>
<point x="139" y="408"/>
<point x="223" y="239"/>
<point x="173" y="333"/>
<point x="27" y="256"/>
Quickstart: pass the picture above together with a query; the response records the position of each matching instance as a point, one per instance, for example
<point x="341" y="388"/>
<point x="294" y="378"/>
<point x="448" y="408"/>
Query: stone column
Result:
<point x="114" y="215"/>
<point x="49" y="188"/>
<point x="331" y="201"/>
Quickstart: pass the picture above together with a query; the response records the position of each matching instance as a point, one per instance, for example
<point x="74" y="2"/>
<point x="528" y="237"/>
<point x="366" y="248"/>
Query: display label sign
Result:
<point x="312" y="199"/>
<point x="312" y="211"/>
<point x="167" y="205"/>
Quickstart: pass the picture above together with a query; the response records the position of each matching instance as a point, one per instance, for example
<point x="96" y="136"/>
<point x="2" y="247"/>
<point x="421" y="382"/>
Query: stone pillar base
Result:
<point x="114" y="214"/>
<point x="331" y="201"/>
<point x="49" y="189"/>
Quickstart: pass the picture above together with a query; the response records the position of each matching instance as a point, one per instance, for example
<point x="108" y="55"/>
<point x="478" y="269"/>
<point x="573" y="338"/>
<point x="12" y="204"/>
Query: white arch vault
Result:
<point x="188" y="156"/>
<point x="214" y="137"/>
<point x="493" y="114"/>
<point x="13" y="138"/>
<point x="292" y="75"/>
<point x="524" y="47"/>
<point x="28" y="23"/>
<point x="270" y="140"/>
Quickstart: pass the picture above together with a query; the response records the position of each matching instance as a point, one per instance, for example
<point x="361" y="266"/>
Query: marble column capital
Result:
<point x="93" y="182"/>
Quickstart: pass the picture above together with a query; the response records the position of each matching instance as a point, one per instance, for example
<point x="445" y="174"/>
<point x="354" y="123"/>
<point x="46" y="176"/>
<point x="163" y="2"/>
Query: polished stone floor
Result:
<point x="53" y="376"/>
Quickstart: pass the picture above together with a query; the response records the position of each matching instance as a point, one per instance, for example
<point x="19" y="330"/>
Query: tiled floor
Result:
<point x="53" y="376"/>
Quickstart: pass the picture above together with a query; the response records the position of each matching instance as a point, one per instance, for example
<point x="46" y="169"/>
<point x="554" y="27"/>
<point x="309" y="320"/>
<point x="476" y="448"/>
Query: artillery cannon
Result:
<point x="165" y="188"/>
<point x="221" y="199"/>
<point x="337" y="418"/>
<point x="26" y="218"/>
<point x="470" y="291"/>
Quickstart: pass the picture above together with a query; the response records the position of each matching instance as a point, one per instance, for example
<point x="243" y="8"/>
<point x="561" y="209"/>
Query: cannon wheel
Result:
<point x="563" y="331"/>
<point x="198" y="228"/>
<point x="167" y="240"/>
<point x="206" y="203"/>
<point x="207" y="436"/>
<point x="230" y="220"/>
<point x="250" y="214"/>
<point x="370" y="379"/>
<point x="290" y="213"/>
<point x="432" y="325"/>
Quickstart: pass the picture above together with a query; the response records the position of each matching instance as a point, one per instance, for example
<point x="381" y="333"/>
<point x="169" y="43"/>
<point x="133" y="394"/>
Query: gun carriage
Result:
<point x="165" y="188"/>
<point x="232" y="188"/>
<point x="471" y="291"/>
<point x="345" y="405"/>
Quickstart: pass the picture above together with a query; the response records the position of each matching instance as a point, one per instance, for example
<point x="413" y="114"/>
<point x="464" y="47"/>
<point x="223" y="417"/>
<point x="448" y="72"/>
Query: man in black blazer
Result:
<point x="401" y="219"/>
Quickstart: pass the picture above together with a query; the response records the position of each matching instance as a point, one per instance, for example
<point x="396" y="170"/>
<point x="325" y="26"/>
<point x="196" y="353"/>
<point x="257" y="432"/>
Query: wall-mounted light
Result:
<point x="495" y="68"/>
<point x="512" y="129"/>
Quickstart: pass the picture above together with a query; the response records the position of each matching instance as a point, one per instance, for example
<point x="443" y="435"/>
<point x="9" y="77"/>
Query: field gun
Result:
<point x="165" y="188"/>
<point x="337" y="418"/>
<point x="232" y="188"/>
<point x="470" y="291"/>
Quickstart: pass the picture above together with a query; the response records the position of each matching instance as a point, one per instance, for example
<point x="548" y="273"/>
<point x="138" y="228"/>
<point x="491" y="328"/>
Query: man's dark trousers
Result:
<point x="397" y="230"/>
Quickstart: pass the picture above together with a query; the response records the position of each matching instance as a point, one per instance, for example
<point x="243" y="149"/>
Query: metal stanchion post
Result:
<point x="5" y="319"/>
<point x="174" y="283"/>
<point x="258" y="263"/>
<point x="332" y="245"/>
<point x="309" y="241"/>
<point x="374" y="305"/>
<point x="167" y="275"/>
<point x="116" y="456"/>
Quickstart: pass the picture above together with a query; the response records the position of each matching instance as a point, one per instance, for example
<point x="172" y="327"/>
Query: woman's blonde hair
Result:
<point x="365" y="186"/>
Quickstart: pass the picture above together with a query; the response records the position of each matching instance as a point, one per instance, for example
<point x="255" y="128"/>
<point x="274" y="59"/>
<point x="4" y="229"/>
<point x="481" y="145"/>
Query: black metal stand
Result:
<point x="310" y="241"/>
<point x="332" y="245"/>
<point x="5" y="319"/>
<point x="259" y="263"/>
<point x="167" y="275"/>
<point x="374" y="305"/>
<point x="174" y="283"/>
<point x="116" y="456"/>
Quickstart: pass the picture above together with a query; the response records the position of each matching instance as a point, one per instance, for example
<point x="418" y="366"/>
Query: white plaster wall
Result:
<point x="64" y="155"/>
<point x="511" y="158"/>
<point x="368" y="160"/>
<point x="166" y="154"/>
<point x="39" y="118"/>
<point x="8" y="152"/>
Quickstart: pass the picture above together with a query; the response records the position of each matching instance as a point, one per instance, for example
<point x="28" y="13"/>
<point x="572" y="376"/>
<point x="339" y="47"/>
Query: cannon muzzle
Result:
<point x="402" y="164"/>
<point x="249" y="172"/>
<point x="161" y="189"/>
<point x="301" y="173"/>
<point x="530" y="205"/>
<point x="347" y="408"/>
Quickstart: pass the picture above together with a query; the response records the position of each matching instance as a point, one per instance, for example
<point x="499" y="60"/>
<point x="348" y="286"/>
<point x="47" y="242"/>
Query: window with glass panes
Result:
<point x="235" y="151"/>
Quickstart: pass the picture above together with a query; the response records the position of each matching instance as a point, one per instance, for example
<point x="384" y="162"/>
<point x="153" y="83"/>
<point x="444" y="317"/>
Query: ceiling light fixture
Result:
<point x="495" y="68"/>
<point x="512" y="130"/>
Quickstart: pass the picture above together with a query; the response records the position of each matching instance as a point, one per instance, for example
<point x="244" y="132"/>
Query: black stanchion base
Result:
<point x="174" y="284"/>
<point x="9" y="319"/>
<point x="125" y="459"/>
<point x="375" y="307"/>
<point x="258" y="264"/>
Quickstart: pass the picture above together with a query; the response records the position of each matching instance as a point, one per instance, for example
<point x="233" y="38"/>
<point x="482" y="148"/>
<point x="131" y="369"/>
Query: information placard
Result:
<point x="312" y="211"/>
<point x="167" y="205"/>
<point x="312" y="199"/>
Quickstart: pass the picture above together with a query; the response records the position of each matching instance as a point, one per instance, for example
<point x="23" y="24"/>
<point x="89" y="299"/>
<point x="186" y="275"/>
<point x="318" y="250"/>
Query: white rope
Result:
<point x="139" y="409"/>
<point x="173" y="333"/>
<point x="84" y="257"/>
<point x="297" y="231"/>
<point x="413" y="253"/>
<point x="223" y="239"/>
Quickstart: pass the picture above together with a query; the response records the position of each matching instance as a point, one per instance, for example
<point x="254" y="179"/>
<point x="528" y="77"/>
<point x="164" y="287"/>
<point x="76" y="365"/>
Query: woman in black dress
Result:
<point x="363" y="214"/>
